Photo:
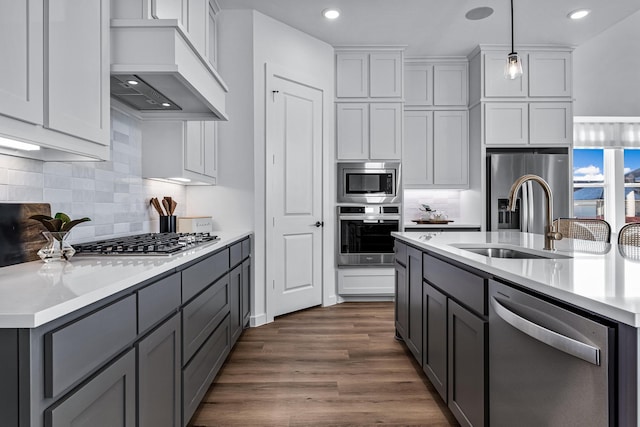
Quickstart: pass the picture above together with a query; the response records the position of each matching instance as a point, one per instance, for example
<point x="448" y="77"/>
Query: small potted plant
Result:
<point x="58" y="228"/>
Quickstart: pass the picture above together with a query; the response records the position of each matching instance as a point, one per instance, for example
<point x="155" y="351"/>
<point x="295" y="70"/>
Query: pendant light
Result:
<point x="513" y="67"/>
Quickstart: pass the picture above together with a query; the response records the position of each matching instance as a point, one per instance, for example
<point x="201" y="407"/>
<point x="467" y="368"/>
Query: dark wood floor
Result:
<point x="338" y="366"/>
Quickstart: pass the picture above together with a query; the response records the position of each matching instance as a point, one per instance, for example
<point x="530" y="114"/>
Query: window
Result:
<point x="632" y="185"/>
<point x="588" y="183"/>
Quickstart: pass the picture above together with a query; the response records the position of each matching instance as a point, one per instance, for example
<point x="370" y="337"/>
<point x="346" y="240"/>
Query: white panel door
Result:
<point x="352" y="75"/>
<point x="495" y="85"/>
<point x="78" y="68"/>
<point x="506" y="123"/>
<point x="550" y="123"/>
<point x="418" y="84"/>
<point x="417" y="152"/>
<point x="193" y="148"/>
<point x="385" y="131"/>
<point x="385" y="75"/>
<point x="294" y="196"/>
<point x="550" y="74"/>
<point x="450" y="148"/>
<point x="352" y="131"/>
<point x="450" y="84"/>
<point x="21" y="72"/>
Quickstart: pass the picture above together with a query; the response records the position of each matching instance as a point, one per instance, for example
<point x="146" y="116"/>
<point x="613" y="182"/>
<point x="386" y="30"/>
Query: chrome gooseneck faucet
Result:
<point x="550" y="234"/>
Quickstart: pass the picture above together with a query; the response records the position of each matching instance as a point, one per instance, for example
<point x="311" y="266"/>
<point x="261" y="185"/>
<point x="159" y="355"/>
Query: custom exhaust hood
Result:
<point x="156" y="73"/>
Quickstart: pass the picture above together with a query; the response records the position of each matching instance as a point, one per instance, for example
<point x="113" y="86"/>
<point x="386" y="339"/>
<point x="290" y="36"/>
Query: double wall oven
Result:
<point x="369" y="201"/>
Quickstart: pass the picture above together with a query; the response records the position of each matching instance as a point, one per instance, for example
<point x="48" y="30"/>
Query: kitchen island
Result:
<point x="448" y="314"/>
<point x="120" y="340"/>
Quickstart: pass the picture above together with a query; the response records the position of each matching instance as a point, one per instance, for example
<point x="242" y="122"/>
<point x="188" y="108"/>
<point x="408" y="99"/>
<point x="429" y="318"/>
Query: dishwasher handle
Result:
<point x="558" y="341"/>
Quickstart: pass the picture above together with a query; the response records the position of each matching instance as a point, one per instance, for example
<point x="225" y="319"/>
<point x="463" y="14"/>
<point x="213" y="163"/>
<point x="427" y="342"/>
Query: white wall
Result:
<point x="606" y="72"/>
<point x="248" y="41"/>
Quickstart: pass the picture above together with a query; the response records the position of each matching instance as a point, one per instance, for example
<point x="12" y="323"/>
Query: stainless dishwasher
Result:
<point x="547" y="366"/>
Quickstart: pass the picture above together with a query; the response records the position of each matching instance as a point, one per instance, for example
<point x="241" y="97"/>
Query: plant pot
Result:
<point x="57" y="247"/>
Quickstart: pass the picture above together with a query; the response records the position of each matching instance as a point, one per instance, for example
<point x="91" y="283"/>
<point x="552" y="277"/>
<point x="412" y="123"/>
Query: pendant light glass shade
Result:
<point x="513" y="67"/>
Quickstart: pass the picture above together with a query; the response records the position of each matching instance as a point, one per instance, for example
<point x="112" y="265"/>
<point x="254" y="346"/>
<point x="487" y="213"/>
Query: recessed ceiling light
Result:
<point x="479" y="13"/>
<point x="132" y="82"/>
<point x="578" y="14"/>
<point x="331" y="13"/>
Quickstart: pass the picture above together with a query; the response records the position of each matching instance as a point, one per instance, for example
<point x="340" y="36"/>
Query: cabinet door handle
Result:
<point x="558" y="341"/>
<point x="319" y="224"/>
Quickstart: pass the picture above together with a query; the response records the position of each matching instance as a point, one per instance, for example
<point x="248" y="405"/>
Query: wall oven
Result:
<point x="369" y="182"/>
<point x="364" y="235"/>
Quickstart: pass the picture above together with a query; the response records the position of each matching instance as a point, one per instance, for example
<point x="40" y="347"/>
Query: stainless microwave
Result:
<point x="369" y="182"/>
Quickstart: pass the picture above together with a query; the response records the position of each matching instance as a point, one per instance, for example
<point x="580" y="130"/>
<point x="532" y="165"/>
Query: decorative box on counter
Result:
<point x="195" y="224"/>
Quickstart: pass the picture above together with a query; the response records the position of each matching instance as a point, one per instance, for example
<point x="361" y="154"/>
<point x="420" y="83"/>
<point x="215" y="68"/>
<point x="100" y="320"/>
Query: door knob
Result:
<point x="319" y="224"/>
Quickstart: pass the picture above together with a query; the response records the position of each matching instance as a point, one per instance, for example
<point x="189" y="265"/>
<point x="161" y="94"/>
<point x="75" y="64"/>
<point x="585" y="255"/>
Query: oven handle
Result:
<point x="370" y="217"/>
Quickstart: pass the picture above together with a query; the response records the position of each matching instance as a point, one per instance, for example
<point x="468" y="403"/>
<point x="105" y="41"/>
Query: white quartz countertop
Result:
<point x="35" y="293"/>
<point x="595" y="276"/>
<point x="439" y="226"/>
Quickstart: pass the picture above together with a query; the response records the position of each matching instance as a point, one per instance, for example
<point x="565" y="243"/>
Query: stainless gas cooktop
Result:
<point x="146" y="244"/>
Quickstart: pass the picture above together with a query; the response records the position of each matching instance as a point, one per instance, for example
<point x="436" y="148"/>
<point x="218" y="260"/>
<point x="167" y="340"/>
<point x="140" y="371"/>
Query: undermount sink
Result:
<point x="508" y="252"/>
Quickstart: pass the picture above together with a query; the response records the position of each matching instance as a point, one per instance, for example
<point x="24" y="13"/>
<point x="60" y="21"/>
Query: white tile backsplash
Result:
<point x="113" y="194"/>
<point x="447" y="201"/>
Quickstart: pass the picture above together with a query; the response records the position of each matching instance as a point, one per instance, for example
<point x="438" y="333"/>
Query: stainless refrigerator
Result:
<point x="504" y="168"/>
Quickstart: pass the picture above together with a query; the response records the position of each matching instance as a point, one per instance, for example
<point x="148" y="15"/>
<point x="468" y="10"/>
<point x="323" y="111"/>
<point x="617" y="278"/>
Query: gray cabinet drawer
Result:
<point x="400" y="250"/>
<point x="108" y="400"/>
<point x="463" y="286"/>
<point x="157" y="301"/>
<point x="235" y="254"/>
<point x="200" y="275"/>
<point x="202" y="315"/>
<point x="200" y="372"/>
<point x="77" y="349"/>
<point x="246" y="248"/>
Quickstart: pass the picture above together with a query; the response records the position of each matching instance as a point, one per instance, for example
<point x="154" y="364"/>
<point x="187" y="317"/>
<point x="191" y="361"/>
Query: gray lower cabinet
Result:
<point x="107" y="400"/>
<point x="402" y="301"/>
<point x="200" y="372"/>
<point x="159" y="379"/>
<point x="245" y="291"/>
<point x="235" y="299"/>
<point x="414" y="277"/>
<point x="467" y="379"/>
<point x="434" y="355"/>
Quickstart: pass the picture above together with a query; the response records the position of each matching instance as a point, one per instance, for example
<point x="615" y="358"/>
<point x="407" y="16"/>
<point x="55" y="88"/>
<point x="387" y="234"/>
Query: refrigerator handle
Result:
<point x="530" y="206"/>
<point x="524" y="208"/>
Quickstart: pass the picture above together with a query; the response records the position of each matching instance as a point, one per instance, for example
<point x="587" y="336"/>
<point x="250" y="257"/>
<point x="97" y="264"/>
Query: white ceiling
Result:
<point x="438" y="27"/>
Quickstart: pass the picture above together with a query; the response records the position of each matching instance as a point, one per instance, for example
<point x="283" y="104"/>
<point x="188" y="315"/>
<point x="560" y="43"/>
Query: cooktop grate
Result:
<point x="145" y="244"/>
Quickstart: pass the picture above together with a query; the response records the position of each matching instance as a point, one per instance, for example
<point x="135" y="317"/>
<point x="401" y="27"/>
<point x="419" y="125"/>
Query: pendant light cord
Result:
<point x="512" y="44"/>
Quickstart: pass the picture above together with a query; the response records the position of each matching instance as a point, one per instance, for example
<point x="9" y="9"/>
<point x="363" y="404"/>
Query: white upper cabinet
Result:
<point x="352" y="131"/>
<point x="370" y="74"/>
<point x="77" y="55"/>
<point x="450" y="84"/>
<point x="550" y="123"/>
<point x="352" y="75"/>
<point x="451" y="148"/>
<point x="385" y="75"/>
<point x="181" y="151"/>
<point x="550" y="74"/>
<point x="436" y="149"/>
<point x="171" y="9"/>
<point x="495" y="84"/>
<point x="436" y="83"/>
<point x="212" y="34"/>
<point x="417" y="153"/>
<point x="55" y="74"/>
<point x="418" y="84"/>
<point x="506" y="123"/>
<point x="21" y="73"/>
<point x="385" y="134"/>
<point x="369" y="131"/>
